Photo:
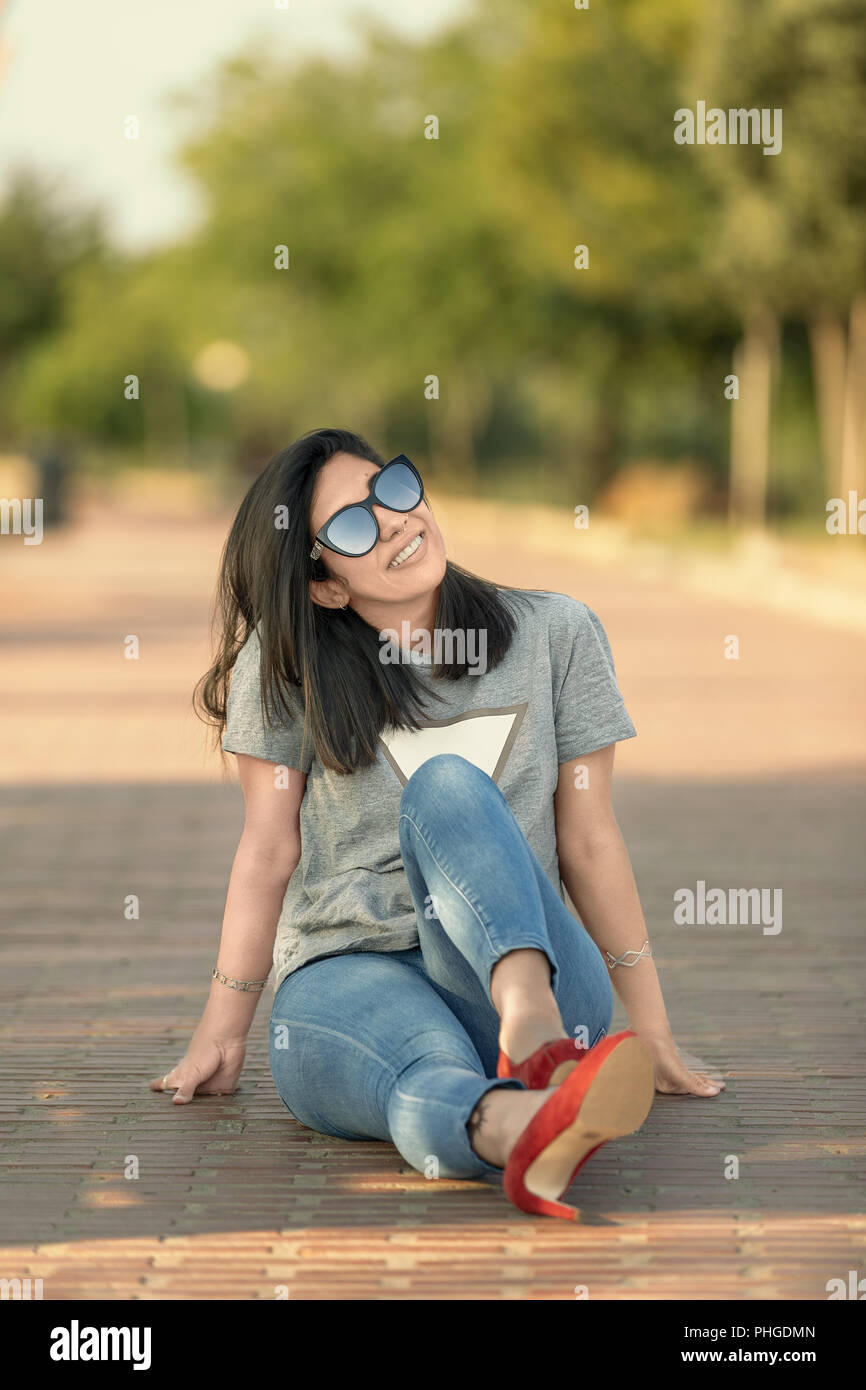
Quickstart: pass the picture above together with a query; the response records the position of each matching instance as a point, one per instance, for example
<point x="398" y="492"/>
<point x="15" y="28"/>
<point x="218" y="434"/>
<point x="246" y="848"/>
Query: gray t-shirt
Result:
<point x="553" y="698"/>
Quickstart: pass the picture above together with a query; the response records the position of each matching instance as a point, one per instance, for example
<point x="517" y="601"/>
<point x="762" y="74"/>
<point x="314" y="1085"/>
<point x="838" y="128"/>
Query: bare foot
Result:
<point x="521" y="994"/>
<point x="500" y="1117"/>
<point x="521" y="1034"/>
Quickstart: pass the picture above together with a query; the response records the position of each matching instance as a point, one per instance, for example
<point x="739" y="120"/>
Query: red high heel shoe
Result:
<point x="609" y="1094"/>
<point x="547" y="1066"/>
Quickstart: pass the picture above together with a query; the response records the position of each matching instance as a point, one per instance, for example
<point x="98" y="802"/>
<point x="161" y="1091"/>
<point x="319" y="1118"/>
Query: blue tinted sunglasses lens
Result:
<point x="354" y="531"/>
<point x="398" y="487"/>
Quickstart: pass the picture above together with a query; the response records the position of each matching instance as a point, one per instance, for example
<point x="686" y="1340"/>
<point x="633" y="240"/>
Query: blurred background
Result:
<point x="145" y="199"/>
<point x="411" y="256"/>
<point x="461" y="229"/>
<point x="464" y="230"/>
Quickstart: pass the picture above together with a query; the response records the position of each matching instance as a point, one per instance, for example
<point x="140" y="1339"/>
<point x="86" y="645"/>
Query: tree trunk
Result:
<point x="754" y="362"/>
<point x="454" y="423"/>
<point x="165" y="414"/>
<point x="827" y="342"/>
<point x="371" y="425"/>
<point x="600" y="451"/>
<point x="852" y="475"/>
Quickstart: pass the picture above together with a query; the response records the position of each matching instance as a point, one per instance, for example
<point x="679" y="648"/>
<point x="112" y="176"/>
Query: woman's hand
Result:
<point x="211" y="1067"/>
<point x="672" y="1075"/>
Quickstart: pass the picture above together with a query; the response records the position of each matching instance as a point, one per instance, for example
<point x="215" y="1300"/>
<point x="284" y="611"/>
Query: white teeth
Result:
<point x="404" y="554"/>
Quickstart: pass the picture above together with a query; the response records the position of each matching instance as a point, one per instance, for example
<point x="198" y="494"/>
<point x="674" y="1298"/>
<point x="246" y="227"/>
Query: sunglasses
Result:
<point x="354" y="530"/>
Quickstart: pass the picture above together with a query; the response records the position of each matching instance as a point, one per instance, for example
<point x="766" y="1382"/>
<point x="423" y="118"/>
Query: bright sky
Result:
<point x="72" y="70"/>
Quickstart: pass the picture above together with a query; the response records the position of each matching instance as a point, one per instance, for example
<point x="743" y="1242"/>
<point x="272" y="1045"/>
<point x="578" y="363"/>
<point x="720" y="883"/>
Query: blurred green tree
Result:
<point x="391" y="243"/>
<point x="42" y="249"/>
<point x="787" y="239"/>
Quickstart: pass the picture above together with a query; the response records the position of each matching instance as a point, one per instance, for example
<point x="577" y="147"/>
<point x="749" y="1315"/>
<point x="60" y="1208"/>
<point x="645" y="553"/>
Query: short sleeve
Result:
<point x="589" y="711"/>
<point x="246" y="730"/>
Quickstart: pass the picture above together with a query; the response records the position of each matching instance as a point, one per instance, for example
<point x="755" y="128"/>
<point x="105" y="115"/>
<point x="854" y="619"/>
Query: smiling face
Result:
<point x="386" y="574"/>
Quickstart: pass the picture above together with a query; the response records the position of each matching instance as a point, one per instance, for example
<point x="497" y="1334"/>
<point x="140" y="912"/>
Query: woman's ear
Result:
<point x="329" y="593"/>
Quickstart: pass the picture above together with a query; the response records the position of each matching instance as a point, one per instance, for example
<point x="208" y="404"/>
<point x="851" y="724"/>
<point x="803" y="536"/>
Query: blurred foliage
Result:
<point x="412" y="257"/>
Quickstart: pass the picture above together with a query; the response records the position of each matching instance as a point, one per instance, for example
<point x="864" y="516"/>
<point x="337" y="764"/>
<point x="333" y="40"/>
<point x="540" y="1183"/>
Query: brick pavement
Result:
<point x="234" y="1199"/>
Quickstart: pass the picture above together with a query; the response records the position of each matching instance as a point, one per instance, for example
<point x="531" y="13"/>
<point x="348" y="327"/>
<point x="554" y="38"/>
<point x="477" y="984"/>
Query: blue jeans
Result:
<point x="402" y="1045"/>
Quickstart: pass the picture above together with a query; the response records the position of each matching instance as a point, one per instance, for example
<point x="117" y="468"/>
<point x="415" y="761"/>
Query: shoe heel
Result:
<point x="609" y="1096"/>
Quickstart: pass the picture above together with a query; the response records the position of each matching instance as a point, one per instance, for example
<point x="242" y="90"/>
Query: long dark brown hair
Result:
<point x="328" y="655"/>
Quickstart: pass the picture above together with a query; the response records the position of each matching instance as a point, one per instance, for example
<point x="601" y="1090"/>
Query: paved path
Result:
<point x="745" y="774"/>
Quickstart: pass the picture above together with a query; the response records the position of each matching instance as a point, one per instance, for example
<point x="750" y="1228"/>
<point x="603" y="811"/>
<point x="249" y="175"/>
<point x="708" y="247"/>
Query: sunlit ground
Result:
<point x="145" y="565"/>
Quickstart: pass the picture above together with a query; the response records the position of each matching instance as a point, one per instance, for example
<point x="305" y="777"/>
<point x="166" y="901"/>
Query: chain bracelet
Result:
<point x="645" y="950"/>
<point x="250" y="986"/>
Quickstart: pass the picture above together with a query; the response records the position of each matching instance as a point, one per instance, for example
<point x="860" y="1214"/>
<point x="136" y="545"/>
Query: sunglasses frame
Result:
<point x="322" y="541"/>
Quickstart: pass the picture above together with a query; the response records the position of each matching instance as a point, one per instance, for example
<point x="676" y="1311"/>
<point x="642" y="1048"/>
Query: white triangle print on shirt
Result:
<point x="482" y="736"/>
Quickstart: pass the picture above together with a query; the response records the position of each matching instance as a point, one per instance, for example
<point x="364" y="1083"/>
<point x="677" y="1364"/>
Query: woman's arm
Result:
<point x="597" y="873"/>
<point x="267" y="855"/>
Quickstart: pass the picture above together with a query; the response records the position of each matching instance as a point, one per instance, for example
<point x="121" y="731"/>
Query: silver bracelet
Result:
<point x="645" y="950"/>
<point x="251" y="986"/>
